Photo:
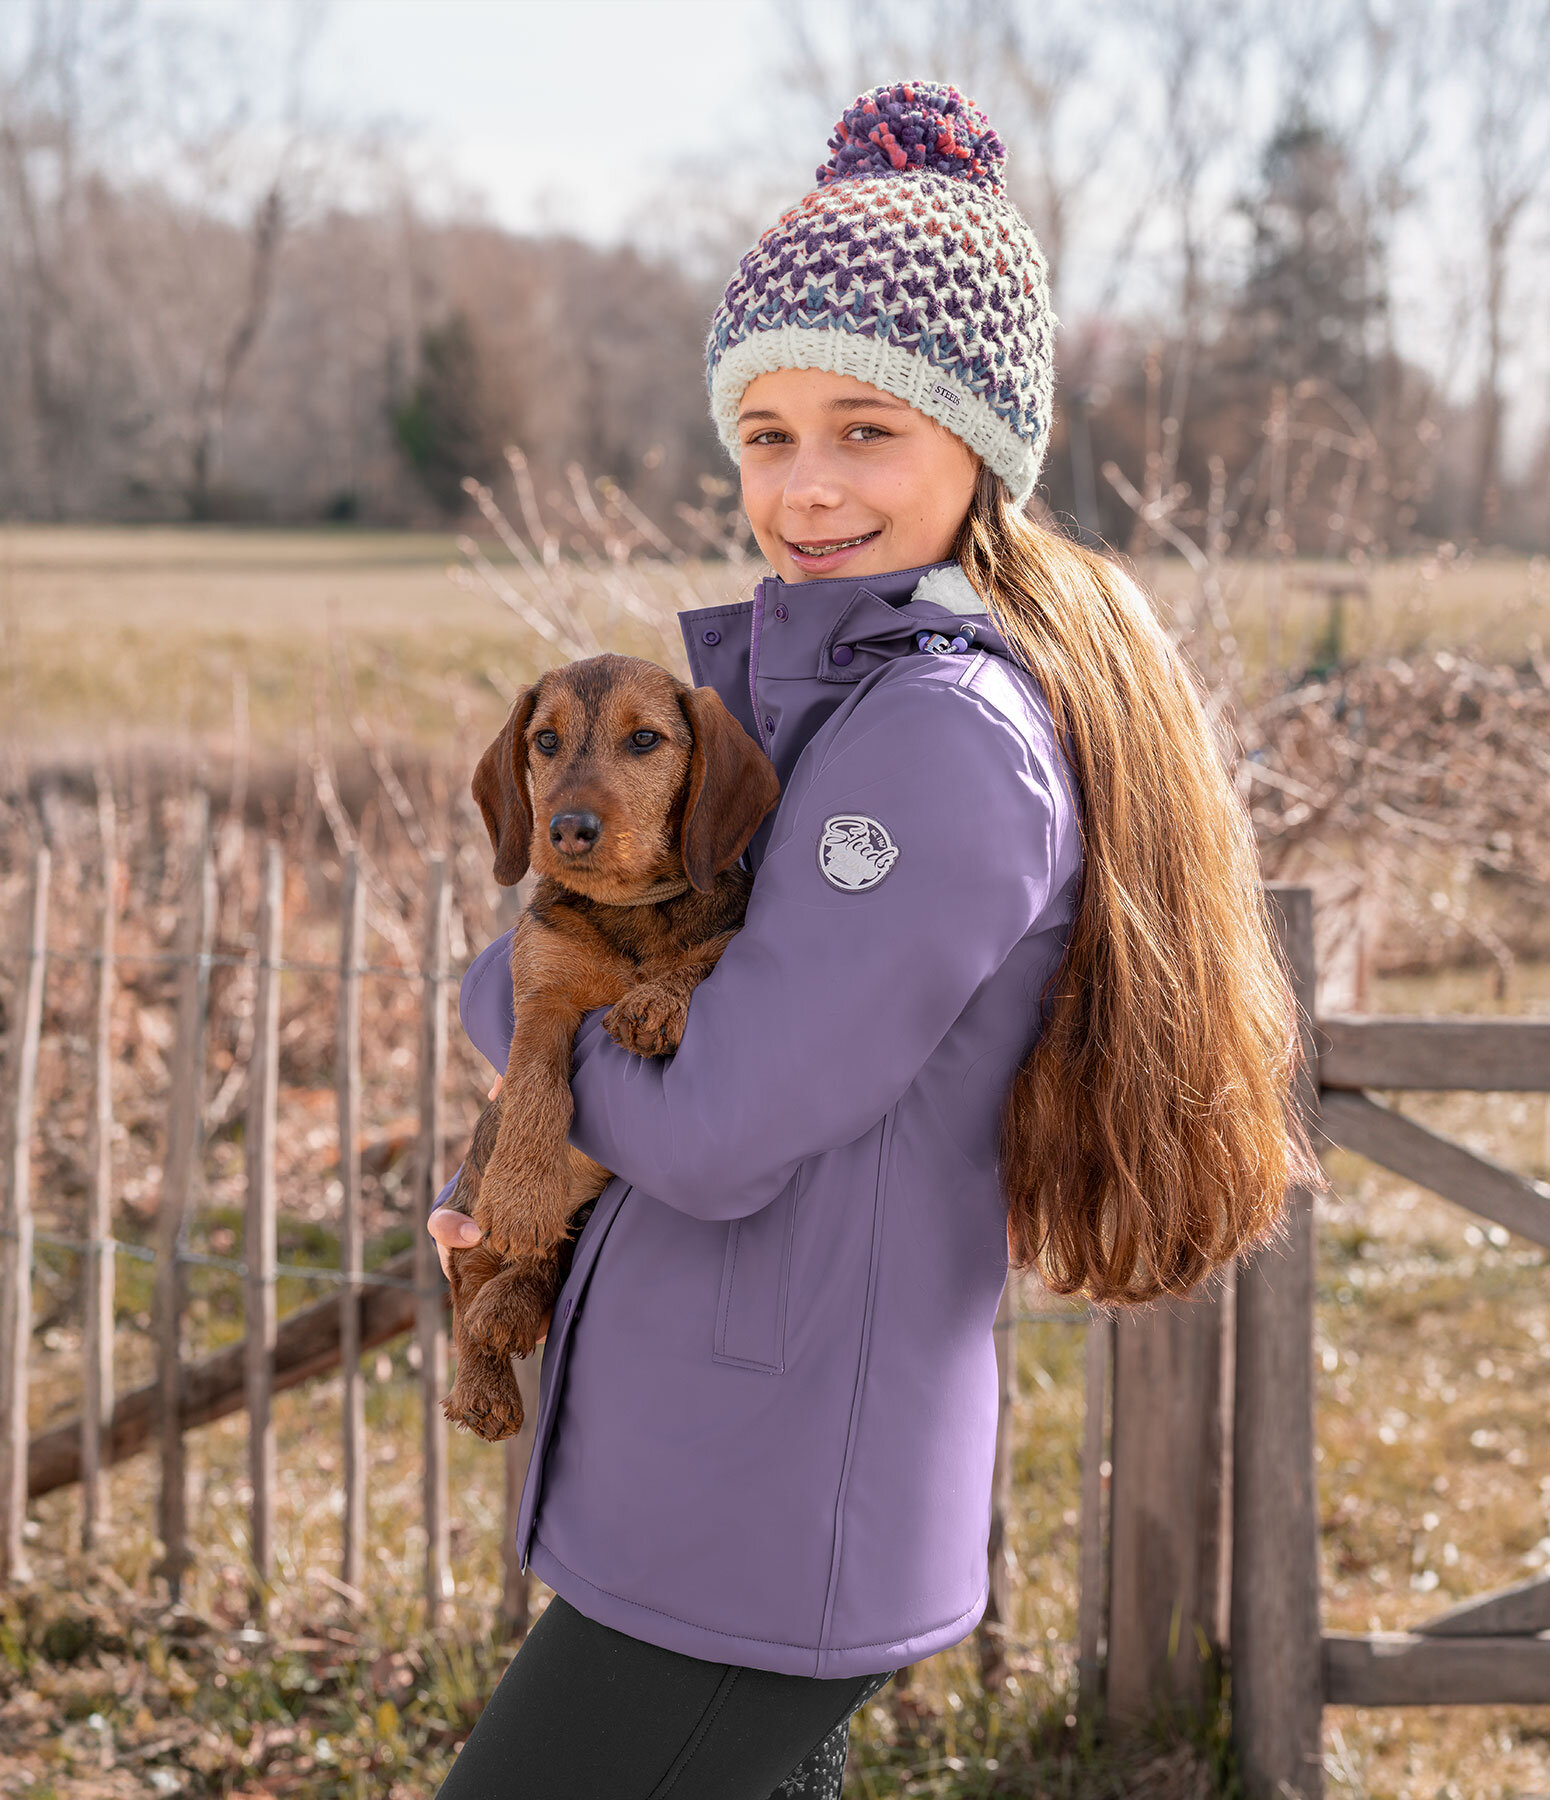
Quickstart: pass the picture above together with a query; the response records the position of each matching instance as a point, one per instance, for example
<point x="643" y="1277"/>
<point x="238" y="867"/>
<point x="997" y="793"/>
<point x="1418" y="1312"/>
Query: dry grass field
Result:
<point x="141" y="631"/>
<point x="1432" y="1346"/>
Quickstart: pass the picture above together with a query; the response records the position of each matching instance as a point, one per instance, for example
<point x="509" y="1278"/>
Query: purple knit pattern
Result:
<point x="916" y="125"/>
<point x="910" y="238"/>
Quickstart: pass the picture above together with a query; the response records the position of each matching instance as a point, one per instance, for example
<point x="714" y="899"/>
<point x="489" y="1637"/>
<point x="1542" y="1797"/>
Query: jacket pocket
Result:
<point x="755" y="1279"/>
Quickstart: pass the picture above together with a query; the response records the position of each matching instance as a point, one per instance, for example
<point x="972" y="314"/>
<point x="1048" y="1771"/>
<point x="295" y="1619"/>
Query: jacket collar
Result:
<point x="783" y="661"/>
<point x="840" y="630"/>
<point x="837" y="630"/>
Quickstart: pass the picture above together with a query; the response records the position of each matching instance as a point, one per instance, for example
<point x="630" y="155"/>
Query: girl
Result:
<point x="1006" y="991"/>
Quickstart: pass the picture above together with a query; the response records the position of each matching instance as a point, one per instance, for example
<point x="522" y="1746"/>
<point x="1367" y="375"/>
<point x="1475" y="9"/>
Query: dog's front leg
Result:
<point x="531" y="1185"/>
<point x="650" y="1019"/>
<point x="484" y="1398"/>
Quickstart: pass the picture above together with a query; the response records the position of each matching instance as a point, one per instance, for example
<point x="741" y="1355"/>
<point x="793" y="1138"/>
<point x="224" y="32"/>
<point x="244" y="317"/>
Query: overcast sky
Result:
<point x="563" y="112"/>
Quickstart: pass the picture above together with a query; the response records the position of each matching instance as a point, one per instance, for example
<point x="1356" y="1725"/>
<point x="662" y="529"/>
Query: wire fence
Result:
<point x="198" y="1259"/>
<point x="338" y="1277"/>
<point x="217" y="959"/>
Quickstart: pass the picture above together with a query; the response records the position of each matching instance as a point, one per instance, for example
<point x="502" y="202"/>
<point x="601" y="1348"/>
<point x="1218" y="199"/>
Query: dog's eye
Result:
<point x="643" y="740"/>
<point x="547" y="741"/>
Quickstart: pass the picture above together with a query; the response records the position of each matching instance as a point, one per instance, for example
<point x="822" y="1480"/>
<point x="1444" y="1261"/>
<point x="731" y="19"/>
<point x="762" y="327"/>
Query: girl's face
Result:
<point x="840" y="478"/>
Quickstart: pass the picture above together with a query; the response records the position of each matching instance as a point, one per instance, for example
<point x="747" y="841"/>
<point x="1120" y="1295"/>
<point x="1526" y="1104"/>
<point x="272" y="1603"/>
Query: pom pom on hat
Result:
<point x="915" y="125"/>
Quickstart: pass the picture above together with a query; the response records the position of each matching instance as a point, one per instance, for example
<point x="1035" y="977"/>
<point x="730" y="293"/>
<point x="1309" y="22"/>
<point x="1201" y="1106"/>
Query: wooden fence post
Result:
<point x="1091" y="1606"/>
<point x="514" y="1615"/>
<point x="352" y="942"/>
<point x="16" y="1287"/>
<point x="97" y="1275"/>
<point x="185" y="1132"/>
<point x="991" y="1633"/>
<point x="259" y="1227"/>
<point x="1277" y="1676"/>
<point x="430" y="1327"/>
<point x="1167" y="1604"/>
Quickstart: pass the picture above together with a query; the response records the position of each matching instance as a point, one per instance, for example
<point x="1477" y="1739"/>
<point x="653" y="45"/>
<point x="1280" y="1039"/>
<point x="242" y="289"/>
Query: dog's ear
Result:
<point x="732" y="785"/>
<point x="500" y="788"/>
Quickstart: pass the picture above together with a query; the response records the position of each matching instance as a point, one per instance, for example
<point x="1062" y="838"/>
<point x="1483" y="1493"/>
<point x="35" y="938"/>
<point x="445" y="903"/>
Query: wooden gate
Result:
<point x="1212" y="1538"/>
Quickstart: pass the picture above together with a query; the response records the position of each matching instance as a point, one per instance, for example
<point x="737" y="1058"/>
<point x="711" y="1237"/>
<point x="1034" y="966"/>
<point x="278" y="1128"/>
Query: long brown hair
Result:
<point x="1148" y="1136"/>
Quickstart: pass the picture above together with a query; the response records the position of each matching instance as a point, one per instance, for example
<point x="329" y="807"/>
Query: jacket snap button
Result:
<point x="565" y="1310"/>
<point x="781" y="613"/>
<point x="842" y="654"/>
<point x="711" y="637"/>
<point x="769" y="723"/>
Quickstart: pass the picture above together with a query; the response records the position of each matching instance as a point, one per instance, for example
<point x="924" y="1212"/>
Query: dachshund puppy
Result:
<point x="644" y="792"/>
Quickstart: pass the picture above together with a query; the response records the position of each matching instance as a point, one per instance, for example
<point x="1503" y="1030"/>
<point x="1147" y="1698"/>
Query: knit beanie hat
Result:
<point x="910" y="269"/>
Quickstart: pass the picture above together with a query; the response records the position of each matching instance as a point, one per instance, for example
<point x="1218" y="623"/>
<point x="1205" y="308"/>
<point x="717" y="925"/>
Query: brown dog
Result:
<point x="647" y="792"/>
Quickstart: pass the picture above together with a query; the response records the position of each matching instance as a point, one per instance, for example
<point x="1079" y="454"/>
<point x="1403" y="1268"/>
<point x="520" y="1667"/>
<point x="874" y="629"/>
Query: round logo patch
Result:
<point x="855" y="852"/>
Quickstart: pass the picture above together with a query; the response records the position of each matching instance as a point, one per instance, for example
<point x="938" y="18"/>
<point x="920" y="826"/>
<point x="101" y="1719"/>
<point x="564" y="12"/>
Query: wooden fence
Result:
<point x="370" y="1308"/>
<point x="1199" y="1525"/>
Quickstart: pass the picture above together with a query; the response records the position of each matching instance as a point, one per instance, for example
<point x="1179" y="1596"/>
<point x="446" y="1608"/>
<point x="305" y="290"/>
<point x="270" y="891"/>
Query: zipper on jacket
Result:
<point x="756" y="623"/>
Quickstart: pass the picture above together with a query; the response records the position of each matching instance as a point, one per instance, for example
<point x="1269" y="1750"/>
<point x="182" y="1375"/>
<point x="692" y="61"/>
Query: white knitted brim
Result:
<point x="892" y="368"/>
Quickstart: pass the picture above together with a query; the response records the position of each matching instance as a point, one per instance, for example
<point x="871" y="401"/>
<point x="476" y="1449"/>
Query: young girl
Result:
<point x="1006" y="991"/>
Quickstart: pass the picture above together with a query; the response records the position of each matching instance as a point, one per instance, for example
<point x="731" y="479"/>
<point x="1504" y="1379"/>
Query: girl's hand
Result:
<point x="457" y="1231"/>
<point x="452" y="1231"/>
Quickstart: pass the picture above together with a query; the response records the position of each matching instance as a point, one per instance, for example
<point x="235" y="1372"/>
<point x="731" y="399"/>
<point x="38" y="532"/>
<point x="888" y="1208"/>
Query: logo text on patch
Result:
<point x="855" y="852"/>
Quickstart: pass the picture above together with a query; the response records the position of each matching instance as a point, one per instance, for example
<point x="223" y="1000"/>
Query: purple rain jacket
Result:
<point x="767" y="1403"/>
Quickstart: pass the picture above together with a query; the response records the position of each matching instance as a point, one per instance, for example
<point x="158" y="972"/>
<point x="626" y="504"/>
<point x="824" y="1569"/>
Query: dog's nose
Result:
<point x="573" y="832"/>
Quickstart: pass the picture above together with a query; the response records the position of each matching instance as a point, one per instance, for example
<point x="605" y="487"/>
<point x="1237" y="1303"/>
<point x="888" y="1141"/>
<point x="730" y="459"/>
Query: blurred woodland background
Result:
<point x="1318" y="226"/>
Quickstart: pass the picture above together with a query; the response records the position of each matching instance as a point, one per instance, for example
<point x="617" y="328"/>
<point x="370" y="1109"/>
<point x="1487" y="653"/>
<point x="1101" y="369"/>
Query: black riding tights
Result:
<point x="584" y="1712"/>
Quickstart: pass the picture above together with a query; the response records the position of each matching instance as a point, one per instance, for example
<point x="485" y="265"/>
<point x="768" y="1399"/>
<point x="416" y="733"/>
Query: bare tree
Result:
<point x="287" y="178"/>
<point x="1504" y="51"/>
<point x="145" y="192"/>
<point x="1387" y="128"/>
<point x="47" y="197"/>
<point x="1199" y="50"/>
<point x="213" y="397"/>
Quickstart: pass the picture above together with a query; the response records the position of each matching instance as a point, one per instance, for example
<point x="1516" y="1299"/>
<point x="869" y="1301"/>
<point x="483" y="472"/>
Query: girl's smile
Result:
<point x="839" y="477"/>
<point x="822" y="557"/>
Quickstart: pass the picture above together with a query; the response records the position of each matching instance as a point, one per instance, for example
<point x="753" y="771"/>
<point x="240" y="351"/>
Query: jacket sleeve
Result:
<point x="828" y="1002"/>
<point x="486" y="1010"/>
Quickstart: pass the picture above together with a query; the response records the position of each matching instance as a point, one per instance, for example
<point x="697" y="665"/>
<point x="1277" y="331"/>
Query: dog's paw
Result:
<point x="649" y="1020"/>
<point x="506" y="1315"/>
<point x="511" y="1232"/>
<point x="533" y="1239"/>
<point x="502" y="1243"/>
<point x="485" y="1398"/>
